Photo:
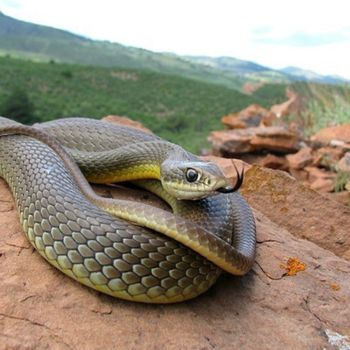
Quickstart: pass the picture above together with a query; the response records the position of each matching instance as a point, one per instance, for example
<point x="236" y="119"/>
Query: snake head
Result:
<point x="193" y="180"/>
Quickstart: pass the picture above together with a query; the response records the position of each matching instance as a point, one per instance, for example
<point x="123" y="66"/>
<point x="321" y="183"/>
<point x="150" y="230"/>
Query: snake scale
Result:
<point x="94" y="240"/>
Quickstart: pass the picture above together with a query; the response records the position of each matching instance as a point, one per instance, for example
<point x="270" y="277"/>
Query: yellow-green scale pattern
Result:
<point x="88" y="244"/>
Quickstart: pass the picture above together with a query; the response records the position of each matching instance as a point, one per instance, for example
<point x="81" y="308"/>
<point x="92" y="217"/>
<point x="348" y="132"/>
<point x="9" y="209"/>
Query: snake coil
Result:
<point x="75" y="231"/>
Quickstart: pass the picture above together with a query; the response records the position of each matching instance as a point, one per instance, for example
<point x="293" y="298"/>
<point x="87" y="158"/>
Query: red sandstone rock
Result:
<point x="300" y="159"/>
<point x="273" y="162"/>
<point x="327" y="157"/>
<point x="299" y="174"/>
<point x="252" y="116"/>
<point x="317" y="173"/>
<point x="340" y="197"/>
<point x="267" y="160"/>
<point x="323" y="185"/>
<point x="335" y="133"/>
<point x="299" y="209"/>
<point x="238" y="141"/>
<point x="231" y="142"/>
<point x="320" y="179"/>
<point x="40" y="308"/>
<point x="126" y="121"/>
<point x="252" y="158"/>
<point x="233" y="121"/>
<point x="275" y="139"/>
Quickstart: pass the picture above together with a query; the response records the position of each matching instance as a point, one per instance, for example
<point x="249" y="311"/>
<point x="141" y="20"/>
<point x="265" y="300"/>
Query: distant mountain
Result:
<point x="23" y="39"/>
<point x="229" y="64"/>
<point x="302" y="73"/>
<point x="41" y="43"/>
<point x="309" y="75"/>
<point x="254" y="71"/>
<point x="249" y="71"/>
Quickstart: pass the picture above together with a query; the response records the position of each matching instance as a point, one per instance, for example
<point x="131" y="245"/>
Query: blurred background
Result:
<point x="176" y="66"/>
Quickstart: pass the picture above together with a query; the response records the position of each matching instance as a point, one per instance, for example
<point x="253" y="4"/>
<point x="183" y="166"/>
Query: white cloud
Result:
<point x="206" y="27"/>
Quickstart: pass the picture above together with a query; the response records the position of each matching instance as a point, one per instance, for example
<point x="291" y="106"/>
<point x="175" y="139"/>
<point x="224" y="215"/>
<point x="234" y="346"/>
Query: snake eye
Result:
<point x="191" y="175"/>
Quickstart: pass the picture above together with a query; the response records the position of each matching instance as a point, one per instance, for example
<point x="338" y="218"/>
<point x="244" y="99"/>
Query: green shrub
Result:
<point x="341" y="180"/>
<point x="18" y="106"/>
<point x="176" y="123"/>
<point x="67" y="74"/>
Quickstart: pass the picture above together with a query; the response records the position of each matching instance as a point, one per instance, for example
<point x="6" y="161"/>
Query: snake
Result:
<point x="122" y="248"/>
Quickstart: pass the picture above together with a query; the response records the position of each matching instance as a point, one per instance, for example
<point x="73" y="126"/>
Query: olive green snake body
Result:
<point x="78" y="232"/>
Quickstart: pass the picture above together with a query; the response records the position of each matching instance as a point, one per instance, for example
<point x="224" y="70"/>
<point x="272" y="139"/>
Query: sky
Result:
<point x="309" y="34"/>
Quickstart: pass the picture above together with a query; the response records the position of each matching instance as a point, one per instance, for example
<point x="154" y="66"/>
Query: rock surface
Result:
<point x="300" y="159"/>
<point x="238" y="141"/>
<point x="320" y="179"/>
<point x="341" y="197"/>
<point x="274" y="162"/>
<point x="327" y="157"/>
<point x="304" y="212"/>
<point x="334" y="133"/>
<point x="322" y="162"/>
<point x="41" y="308"/>
<point x="252" y="116"/>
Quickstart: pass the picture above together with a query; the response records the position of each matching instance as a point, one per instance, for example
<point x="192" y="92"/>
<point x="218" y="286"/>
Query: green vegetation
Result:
<point x="44" y="44"/>
<point x="271" y="93"/>
<point x="40" y="43"/>
<point x="181" y="110"/>
<point x="341" y="180"/>
<point x="324" y="105"/>
<point x="17" y="106"/>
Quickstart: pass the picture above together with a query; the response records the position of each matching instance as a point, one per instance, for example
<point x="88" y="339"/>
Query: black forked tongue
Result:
<point x="236" y="187"/>
<point x="226" y="189"/>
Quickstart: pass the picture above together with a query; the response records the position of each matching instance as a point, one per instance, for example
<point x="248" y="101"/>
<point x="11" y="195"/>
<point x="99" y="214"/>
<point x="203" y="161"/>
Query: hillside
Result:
<point x="256" y="72"/>
<point x="41" y="43"/>
<point x="179" y="109"/>
<point x="247" y="70"/>
<point x="229" y="63"/>
<point x="308" y="75"/>
<point x="324" y="104"/>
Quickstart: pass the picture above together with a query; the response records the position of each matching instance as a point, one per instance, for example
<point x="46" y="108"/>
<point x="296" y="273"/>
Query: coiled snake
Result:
<point x="92" y="239"/>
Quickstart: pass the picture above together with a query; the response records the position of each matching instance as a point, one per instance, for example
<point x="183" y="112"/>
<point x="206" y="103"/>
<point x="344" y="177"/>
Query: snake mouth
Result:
<point x="226" y="189"/>
<point x="236" y="187"/>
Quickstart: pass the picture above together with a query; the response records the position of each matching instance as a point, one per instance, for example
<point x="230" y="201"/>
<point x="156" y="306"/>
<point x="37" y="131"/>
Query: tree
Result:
<point x="18" y="106"/>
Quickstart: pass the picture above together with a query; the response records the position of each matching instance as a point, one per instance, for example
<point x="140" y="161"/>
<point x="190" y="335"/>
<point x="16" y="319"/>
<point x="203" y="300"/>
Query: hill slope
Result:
<point x="229" y="63"/>
<point x="308" y="75"/>
<point x="179" y="109"/>
<point x="22" y="39"/>
<point x="256" y="72"/>
<point x="324" y="104"/>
